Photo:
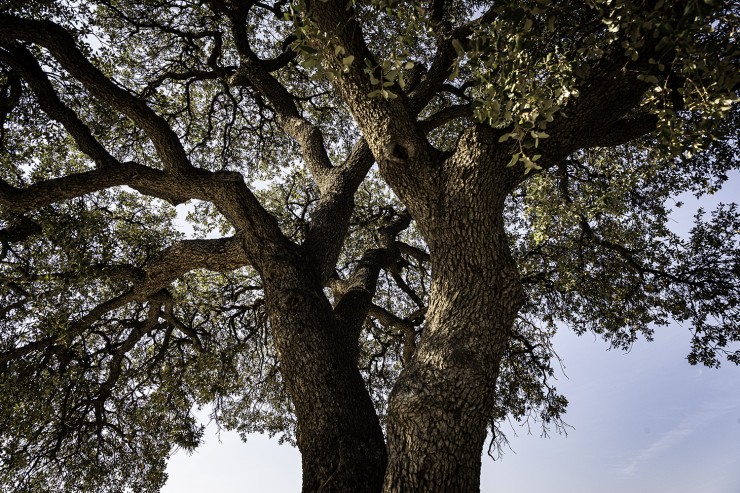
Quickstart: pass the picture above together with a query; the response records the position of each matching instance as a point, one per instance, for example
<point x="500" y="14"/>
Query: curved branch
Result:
<point x="435" y="78"/>
<point x="356" y="293"/>
<point x="256" y="73"/>
<point x="446" y="115"/>
<point x="227" y="190"/>
<point x="221" y="254"/>
<point x="330" y="220"/>
<point x="283" y="59"/>
<point x="62" y="46"/>
<point x="217" y="255"/>
<point x="41" y="194"/>
<point x="24" y="62"/>
<point x="390" y="320"/>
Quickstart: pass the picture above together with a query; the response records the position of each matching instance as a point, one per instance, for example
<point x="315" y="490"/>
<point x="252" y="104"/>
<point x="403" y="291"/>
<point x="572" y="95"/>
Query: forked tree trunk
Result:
<point x="339" y="435"/>
<point x="440" y="408"/>
<point x="441" y="405"/>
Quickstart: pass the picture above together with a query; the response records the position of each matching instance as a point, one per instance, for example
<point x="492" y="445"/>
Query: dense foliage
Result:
<point x="117" y="320"/>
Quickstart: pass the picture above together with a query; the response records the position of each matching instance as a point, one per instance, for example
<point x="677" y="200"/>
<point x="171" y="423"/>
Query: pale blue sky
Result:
<point x="645" y="422"/>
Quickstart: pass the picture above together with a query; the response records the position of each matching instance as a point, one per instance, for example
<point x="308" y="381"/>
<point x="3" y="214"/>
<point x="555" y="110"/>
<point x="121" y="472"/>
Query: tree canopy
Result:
<point x="394" y="206"/>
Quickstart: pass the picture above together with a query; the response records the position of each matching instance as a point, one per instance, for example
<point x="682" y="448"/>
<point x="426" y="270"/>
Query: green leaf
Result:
<point x="457" y="45"/>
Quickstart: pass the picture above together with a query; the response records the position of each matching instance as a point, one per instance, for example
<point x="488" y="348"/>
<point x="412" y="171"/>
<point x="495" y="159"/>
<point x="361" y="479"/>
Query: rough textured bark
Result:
<point x="440" y="408"/>
<point x="441" y="405"/>
<point x="339" y="435"/>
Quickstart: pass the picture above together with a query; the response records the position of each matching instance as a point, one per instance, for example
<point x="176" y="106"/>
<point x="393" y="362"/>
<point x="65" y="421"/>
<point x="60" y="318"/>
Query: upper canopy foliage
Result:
<point x="114" y="324"/>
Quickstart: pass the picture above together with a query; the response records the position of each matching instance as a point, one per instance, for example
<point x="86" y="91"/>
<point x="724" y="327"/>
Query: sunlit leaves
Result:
<point x="598" y="252"/>
<point x="589" y="230"/>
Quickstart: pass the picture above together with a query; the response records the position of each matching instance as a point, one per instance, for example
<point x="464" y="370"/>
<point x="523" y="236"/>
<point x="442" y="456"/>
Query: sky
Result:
<point x="643" y="421"/>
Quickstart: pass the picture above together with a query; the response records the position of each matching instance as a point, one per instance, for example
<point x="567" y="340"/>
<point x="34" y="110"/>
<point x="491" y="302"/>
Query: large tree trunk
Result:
<point x="440" y="408"/>
<point x="339" y="435"/>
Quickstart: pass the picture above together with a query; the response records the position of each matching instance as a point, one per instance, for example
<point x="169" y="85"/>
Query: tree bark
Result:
<point x="440" y="408"/>
<point x="339" y="434"/>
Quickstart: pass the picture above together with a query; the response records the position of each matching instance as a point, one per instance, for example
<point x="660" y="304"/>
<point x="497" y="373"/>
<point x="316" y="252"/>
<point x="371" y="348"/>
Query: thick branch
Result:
<point x="624" y="130"/>
<point x="330" y="220"/>
<point x="23" y="61"/>
<point x="388" y="124"/>
<point x="221" y="254"/>
<point x="62" y="46"/>
<point x="256" y="73"/>
<point x="599" y="116"/>
<point x="226" y="190"/>
<point x="283" y="59"/>
<point x="446" y="115"/>
<point x="438" y="11"/>
<point x="217" y="255"/>
<point x="358" y="290"/>
<point x="47" y="192"/>
<point x="435" y="78"/>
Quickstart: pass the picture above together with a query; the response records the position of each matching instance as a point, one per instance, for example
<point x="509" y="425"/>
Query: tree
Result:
<point x="396" y="204"/>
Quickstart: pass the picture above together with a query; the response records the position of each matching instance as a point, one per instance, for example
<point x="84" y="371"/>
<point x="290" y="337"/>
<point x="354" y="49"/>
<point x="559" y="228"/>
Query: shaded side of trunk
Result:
<point x="440" y="408"/>
<point x="339" y="434"/>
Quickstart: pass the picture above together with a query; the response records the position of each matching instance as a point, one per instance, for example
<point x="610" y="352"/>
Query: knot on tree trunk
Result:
<point x="399" y="152"/>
